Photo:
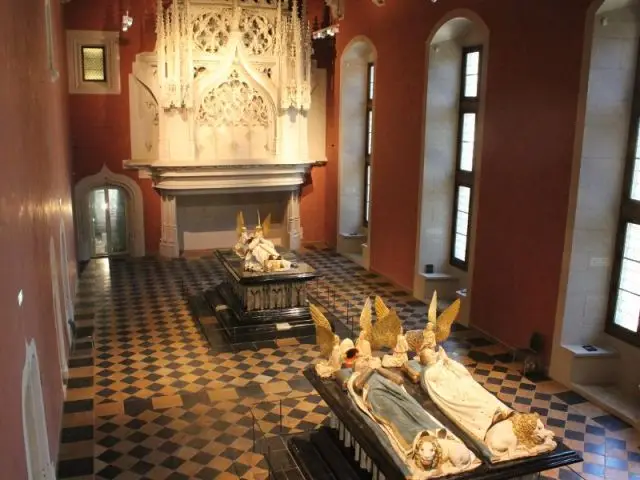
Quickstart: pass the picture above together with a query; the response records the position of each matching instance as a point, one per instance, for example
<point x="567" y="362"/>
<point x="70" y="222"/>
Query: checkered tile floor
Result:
<point x="148" y="398"/>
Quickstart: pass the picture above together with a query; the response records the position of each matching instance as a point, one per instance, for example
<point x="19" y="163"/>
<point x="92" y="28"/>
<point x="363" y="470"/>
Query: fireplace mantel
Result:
<point x="180" y="179"/>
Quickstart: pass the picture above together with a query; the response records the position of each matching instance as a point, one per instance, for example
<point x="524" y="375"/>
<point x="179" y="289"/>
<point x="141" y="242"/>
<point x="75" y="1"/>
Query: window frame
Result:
<point x="104" y="63"/>
<point x="629" y="213"/>
<point x="463" y="178"/>
<point x="110" y="41"/>
<point x="368" y="125"/>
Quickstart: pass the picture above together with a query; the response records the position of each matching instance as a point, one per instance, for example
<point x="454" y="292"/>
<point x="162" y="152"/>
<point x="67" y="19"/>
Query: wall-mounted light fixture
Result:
<point x="329" y="31"/>
<point x="127" y="21"/>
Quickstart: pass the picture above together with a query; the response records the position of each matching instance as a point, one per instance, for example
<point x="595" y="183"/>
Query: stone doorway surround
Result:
<point x="135" y="211"/>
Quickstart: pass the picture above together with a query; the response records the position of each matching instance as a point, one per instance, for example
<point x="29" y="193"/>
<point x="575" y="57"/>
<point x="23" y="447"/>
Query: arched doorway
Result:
<point x="133" y="226"/>
<point x="108" y="212"/>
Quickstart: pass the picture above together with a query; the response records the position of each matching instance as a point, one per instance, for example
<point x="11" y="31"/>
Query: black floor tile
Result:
<point x="612" y="423"/>
<point x="570" y="397"/>
<point x="75" y="468"/>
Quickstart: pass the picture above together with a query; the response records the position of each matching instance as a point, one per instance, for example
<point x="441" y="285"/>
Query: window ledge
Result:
<point x="439" y="276"/>
<point x="612" y="399"/>
<point x="353" y="235"/>
<point x="579" y="352"/>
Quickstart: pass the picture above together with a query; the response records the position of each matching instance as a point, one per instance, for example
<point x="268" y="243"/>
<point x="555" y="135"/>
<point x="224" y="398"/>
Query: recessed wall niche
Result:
<point x="356" y="148"/>
<point x="446" y="143"/>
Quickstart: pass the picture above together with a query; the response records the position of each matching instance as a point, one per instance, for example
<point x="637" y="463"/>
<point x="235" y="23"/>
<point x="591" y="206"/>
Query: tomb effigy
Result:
<point x="265" y="292"/>
<point x="440" y="423"/>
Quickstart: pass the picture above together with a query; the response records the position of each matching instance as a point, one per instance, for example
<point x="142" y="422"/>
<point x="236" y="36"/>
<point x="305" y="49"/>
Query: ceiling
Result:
<point x="609" y="5"/>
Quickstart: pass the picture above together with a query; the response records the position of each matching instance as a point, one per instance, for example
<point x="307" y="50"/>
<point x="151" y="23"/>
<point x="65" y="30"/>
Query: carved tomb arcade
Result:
<point x="229" y="102"/>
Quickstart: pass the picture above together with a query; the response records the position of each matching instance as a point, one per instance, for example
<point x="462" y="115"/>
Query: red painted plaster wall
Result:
<point x="100" y="123"/>
<point x="534" y="65"/>
<point x="34" y="199"/>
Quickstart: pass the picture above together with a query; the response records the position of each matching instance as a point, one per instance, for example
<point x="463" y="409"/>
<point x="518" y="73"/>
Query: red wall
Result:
<point x="533" y="75"/>
<point x="34" y="199"/>
<point x="100" y="123"/>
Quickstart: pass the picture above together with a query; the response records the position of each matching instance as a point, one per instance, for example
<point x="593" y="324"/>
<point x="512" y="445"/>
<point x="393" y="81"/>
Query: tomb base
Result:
<point x="253" y="306"/>
<point x="365" y="456"/>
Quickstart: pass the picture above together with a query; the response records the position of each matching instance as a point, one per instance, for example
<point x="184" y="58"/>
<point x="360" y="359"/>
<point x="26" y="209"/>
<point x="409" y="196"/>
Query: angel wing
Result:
<point x="381" y="309"/>
<point x="239" y="222"/>
<point x="415" y="339"/>
<point x="386" y="330"/>
<point x="445" y="320"/>
<point x="266" y="225"/>
<point x="324" y="334"/>
<point x="366" y="324"/>
<point x="432" y="314"/>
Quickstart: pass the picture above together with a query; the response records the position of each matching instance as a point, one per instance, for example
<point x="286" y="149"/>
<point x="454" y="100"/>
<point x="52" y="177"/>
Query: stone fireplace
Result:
<point x="227" y="114"/>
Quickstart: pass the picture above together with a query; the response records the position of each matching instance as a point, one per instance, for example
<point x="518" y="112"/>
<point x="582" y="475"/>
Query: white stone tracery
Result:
<point x="209" y="57"/>
<point x="258" y="33"/>
<point x="224" y="102"/>
<point x="211" y="30"/>
<point x="234" y="103"/>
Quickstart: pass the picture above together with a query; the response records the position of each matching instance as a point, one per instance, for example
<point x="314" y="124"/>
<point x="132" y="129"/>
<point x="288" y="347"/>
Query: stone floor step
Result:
<point x="309" y="460"/>
<point x="325" y="442"/>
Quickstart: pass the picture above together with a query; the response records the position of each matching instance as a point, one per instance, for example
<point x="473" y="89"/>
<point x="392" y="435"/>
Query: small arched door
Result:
<point x="108" y="210"/>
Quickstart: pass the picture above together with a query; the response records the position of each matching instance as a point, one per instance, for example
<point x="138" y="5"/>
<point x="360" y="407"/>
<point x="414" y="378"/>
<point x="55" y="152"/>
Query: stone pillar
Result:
<point x="169" y="246"/>
<point x="294" y="227"/>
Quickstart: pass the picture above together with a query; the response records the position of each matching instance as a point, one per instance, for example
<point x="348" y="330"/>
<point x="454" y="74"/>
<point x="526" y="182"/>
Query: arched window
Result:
<point x="451" y="158"/>
<point x="624" y="304"/>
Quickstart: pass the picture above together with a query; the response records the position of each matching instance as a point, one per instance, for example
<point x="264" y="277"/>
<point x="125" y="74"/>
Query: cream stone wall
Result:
<point x="439" y="163"/>
<point x="352" y="121"/>
<point x="353" y="106"/>
<point x="608" y="104"/>
<point x="441" y="128"/>
<point x="209" y="221"/>
<point x="609" y="97"/>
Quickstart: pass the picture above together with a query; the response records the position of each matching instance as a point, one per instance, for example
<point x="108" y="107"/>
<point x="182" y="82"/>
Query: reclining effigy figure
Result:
<point x="422" y="446"/>
<point x="499" y="431"/>
<point x="504" y="433"/>
<point x="258" y="253"/>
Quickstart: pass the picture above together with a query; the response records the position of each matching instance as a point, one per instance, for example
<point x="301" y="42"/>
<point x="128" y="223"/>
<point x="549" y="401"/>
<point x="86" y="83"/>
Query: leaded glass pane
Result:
<point x="464" y="199"/>
<point x="628" y="301"/>
<point x="460" y="247"/>
<point x="468" y="141"/>
<point x="93" y="64"/>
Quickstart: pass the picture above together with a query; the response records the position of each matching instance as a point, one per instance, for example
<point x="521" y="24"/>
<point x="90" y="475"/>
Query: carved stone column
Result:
<point x="294" y="227"/>
<point x="169" y="246"/>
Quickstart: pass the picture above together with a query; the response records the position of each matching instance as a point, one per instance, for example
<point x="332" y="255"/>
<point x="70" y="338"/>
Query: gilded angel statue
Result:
<point x="328" y="342"/>
<point x="337" y="353"/>
<point x="386" y="332"/>
<point x="240" y="247"/>
<point x="425" y="342"/>
<point x="363" y="343"/>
